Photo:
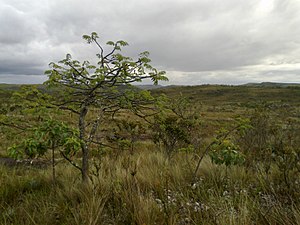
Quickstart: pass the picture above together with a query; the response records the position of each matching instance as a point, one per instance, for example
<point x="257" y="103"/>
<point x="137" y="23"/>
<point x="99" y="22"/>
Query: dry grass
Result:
<point x="143" y="188"/>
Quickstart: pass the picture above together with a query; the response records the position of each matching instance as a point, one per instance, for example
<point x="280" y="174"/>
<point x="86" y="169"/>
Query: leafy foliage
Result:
<point x="225" y="152"/>
<point x="50" y="134"/>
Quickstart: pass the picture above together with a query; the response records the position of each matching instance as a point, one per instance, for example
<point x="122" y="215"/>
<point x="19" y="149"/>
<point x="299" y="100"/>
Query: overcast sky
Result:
<point x="195" y="41"/>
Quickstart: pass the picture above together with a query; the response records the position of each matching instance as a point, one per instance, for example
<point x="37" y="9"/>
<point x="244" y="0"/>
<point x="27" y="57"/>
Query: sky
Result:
<point x="194" y="41"/>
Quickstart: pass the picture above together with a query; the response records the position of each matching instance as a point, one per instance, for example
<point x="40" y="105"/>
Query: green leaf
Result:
<point x="110" y="43"/>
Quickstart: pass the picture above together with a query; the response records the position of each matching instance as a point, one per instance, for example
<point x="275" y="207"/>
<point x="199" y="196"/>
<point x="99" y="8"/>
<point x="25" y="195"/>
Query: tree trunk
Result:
<point x="53" y="165"/>
<point x="84" y="147"/>
<point x="85" y="163"/>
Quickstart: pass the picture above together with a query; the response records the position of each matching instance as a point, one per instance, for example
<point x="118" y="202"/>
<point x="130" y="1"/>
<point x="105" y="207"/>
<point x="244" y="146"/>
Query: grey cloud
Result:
<point x="226" y="41"/>
<point x="13" y="23"/>
<point x="194" y="38"/>
<point x="22" y="67"/>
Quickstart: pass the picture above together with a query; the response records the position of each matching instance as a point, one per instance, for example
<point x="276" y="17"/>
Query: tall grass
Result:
<point x="143" y="188"/>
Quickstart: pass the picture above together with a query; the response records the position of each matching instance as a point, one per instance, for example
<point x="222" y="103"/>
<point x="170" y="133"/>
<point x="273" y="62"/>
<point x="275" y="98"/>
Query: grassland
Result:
<point x="141" y="185"/>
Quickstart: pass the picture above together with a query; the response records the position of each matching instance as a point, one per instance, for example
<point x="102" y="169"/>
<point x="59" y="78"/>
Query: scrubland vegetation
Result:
<point x="147" y="175"/>
<point x="89" y="148"/>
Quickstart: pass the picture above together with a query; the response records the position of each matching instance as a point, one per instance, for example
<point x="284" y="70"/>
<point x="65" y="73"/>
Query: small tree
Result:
<point x="104" y="87"/>
<point x="50" y="134"/>
<point x="178" y="127"/>
<point x="226" y="152"/>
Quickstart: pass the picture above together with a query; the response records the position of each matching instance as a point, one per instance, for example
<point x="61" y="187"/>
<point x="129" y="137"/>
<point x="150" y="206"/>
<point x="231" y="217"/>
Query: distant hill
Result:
<point x="148" y="86"/>
<point x="272" y="84"/>
<point x="211" y="94"/>
<point x="14" y="87"/>
<point x="11" y="87"/>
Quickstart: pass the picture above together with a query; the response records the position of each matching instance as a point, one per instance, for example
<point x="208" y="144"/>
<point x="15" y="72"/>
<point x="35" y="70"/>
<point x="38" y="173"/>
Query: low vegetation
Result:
<point x="139" y="182"/>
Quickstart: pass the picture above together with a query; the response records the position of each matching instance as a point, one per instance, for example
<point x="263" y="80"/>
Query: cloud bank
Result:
<point x="195" y="41"/>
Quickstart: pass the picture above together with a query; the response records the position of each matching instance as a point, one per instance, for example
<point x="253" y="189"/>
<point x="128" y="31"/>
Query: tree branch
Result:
<point x="70" y="161"/>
